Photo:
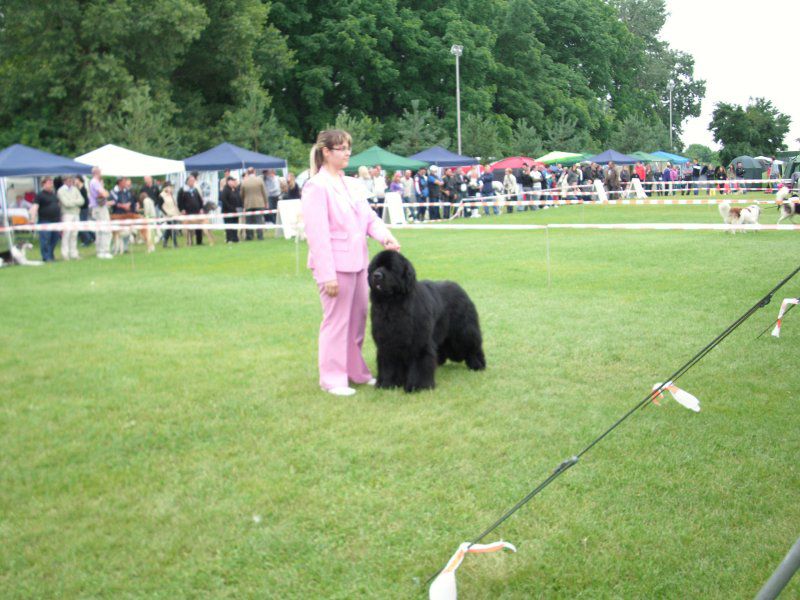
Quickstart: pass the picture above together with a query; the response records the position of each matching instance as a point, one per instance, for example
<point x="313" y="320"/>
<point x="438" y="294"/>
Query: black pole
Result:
<point x="565" y="465"/>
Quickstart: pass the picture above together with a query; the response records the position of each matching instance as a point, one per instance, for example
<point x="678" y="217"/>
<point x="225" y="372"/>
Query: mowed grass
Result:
<point x="163" y="434"/>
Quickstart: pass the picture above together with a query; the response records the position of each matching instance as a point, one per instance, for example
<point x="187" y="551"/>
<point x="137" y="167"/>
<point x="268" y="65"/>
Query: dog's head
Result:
<point x="391" y="274"/>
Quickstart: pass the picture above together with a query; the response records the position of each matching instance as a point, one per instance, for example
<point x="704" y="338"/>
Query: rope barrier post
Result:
<point x="547" y="245"/>
<point x="782" y="574"/>
<point x="297" y="254"/>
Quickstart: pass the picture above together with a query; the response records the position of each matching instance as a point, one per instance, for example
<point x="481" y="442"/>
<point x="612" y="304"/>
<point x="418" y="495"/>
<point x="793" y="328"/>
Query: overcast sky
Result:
<point x="731" y="38"/>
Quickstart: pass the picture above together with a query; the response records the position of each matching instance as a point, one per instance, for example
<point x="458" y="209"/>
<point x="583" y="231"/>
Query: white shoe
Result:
<point x="341" y="391"/>
<point x="104" y="256"/>
<point x="372" y="381"/>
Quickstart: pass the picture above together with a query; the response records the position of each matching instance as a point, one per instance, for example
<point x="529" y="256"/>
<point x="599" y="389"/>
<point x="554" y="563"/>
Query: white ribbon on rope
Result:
<point x="784" y="306"/>
<point x="444" y="586"/>
<point x="682" y="397"/>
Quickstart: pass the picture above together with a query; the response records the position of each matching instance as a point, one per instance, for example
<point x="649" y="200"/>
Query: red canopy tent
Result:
<point x="515" y="162"/>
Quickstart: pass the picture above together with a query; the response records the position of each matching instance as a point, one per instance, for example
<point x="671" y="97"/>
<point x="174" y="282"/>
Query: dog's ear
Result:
<point x="409" y="276"/>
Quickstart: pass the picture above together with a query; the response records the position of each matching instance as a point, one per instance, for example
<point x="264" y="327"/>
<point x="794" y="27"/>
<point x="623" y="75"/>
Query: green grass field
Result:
<point x="163" y="434"/>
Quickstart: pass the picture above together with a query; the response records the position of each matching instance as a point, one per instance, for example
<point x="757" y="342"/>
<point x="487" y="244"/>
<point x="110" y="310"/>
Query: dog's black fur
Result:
<point x="418" y="325"/>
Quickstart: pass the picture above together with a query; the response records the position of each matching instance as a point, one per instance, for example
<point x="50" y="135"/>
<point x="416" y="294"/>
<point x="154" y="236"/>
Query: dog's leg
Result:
<point x="421" y="372"/>
<point x="389" y="372"/>
<point x="476" y="361"/>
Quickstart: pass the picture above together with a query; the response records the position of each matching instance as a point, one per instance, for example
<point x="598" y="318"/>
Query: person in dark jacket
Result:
<point x="190" y="202"/>
<point x="487" y="189"/>
<point x="231" y="202"/>
<point x="450" y="190"/>
<point x="86" y="238"/>
<point x="47" y="210"/>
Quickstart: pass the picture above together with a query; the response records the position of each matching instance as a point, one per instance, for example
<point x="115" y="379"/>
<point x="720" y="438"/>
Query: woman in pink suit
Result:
<point x="338" y="220"/>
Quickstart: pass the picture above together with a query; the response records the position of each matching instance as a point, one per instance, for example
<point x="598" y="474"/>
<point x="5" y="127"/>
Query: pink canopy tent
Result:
<point x="515" y="162"/>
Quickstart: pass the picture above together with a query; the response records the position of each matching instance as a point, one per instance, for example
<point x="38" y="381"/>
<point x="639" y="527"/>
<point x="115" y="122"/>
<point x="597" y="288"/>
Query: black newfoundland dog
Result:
<point x="418" y="325"/>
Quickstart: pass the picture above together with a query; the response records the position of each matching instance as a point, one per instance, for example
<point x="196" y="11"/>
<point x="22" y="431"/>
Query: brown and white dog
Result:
<point x="733" y="215"/>
<point x="789" y="208"/>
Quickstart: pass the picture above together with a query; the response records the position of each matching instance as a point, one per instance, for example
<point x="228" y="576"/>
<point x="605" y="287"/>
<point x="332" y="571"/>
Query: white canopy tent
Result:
<point x="121" y="162"/>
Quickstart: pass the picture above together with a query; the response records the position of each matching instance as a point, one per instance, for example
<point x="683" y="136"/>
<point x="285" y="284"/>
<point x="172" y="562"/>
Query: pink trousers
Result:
<point x="341" y="335"/>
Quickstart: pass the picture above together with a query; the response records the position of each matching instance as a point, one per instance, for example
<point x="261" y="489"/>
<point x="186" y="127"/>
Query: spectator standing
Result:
<point x="640" y="171"/>
<point x="434" y="193"/>
<point x="421" y="185"/>
<point x="190" y="202"/>
<point x="70" y="200"/>
<point x="510" y="190"/>
<point x="84" y="237"/>
<point x="169" y="207"/>
<point x="409" y="195"/>
<point x="152" y="190"/>
<point x="649" y="180"/>
<point x="292" y="189"/>
<point x="487" y="190"/>
<point x="100" y="204"/>
<point x="365" y="177"/>
<point x="612" y="181"/>
<point x="255" y="198"/>
<point x="526" y="182"/>
<point x="273" y="187"/>
<point x="231" y="202"/>
<point x="379" y="187"/>
<point x="46" y="210"/>
<point x="338" y="221"/>
<point x="451" y="191"/>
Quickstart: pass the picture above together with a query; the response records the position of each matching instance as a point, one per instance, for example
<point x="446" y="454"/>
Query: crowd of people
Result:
<point x="72" y="199"/>
<point x="430" y="193"/>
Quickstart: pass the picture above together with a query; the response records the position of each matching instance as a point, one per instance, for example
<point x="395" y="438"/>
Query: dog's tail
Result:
<point x="725" y="209"/>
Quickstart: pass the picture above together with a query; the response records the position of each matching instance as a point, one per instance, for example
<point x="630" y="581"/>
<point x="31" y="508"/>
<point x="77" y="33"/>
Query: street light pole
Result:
<point x="456" y="51"/>
<point x="670" y="87"/>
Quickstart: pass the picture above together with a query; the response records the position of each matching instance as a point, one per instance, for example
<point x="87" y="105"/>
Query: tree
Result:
<point x="365" y="131"/>
<point x="416" y="131"/>
<point x="637" y="134"/>
<point x="480" y="137"/>
<point x="702" y="153"/>
<point x="143" y="124"/>
<point x="524" y="140"/>
<point x="561" y="134"/>
<point x="758" y="129"/>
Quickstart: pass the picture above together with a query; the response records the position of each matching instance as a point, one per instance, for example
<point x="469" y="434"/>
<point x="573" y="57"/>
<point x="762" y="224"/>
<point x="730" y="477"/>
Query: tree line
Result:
<point x="174" y="77"/>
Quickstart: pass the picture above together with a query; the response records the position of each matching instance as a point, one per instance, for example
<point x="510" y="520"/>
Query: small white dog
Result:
<point x="739" y="216"/>
<point x="789" y="209"/>
<point x="17" y="255"/>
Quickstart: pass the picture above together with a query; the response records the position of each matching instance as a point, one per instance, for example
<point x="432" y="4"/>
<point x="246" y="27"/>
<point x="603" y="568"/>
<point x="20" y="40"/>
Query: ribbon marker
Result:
<point x="784" y="305"/>
<point x="444" y="586"/>
<point x="682" y="397"/>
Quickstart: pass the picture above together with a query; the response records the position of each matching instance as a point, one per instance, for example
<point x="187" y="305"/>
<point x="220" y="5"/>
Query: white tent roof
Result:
<point x="121" y="162"/>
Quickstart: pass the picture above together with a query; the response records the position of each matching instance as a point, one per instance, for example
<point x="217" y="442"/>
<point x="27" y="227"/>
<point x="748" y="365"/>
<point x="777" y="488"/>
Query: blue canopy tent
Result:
<point x="673" y="158"/>
<point x="24" y="160"/>
<point x="617" y="157"/>
<point x="444" y="158"/>
<point x="228" y="156"/>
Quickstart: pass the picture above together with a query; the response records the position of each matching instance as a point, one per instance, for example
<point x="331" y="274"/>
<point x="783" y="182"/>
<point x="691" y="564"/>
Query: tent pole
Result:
<point x="4" y="206"/>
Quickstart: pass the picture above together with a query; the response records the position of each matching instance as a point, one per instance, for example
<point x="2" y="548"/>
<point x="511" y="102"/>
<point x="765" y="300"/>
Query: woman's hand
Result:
<point x="391" y="244"/>
<point x="331" y="288"/>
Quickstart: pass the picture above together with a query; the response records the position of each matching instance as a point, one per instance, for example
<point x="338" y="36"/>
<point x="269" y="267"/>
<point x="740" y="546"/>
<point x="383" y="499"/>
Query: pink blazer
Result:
<point x="338" y="220"/>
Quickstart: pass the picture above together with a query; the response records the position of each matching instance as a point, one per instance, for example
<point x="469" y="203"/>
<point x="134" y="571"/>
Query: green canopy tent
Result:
<point x="555" y="157"/>
<point x="387" y="160"/>
<point x="753" y="169"/>
<point x="647" y="158"/>
<point x="578" y="158"/>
